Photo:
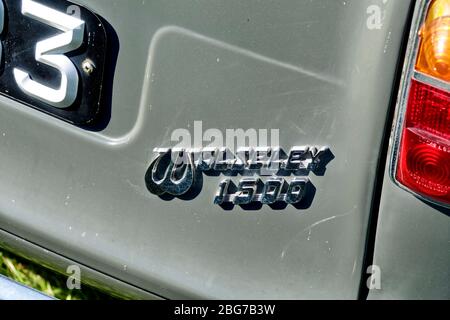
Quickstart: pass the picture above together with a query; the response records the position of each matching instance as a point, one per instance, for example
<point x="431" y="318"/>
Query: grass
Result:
<point x="46" y="281"/>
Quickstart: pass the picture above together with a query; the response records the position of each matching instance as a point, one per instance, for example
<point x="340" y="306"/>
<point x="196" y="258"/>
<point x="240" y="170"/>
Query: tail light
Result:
<point x="421" y="153"/>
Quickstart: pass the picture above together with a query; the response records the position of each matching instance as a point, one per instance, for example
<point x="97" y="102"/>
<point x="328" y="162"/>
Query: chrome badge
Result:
<point x="178" y="172"/>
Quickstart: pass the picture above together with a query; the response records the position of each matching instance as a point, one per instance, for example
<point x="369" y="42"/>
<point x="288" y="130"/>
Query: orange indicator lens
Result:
<point x="434" y="52"/>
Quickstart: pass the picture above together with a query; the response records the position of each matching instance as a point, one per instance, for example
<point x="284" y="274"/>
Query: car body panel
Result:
<point x="312" y="69"/>
<point x="60" y="264"/>
<point x="411" y="247"/>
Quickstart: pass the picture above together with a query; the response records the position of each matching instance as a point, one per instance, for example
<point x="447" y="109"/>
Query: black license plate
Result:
<point x="53" y="58"/>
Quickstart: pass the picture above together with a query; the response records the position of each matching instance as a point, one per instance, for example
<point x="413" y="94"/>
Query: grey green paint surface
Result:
<point x="309" y="68"/>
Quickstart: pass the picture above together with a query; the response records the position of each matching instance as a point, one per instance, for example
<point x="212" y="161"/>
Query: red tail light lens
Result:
<point x="422" y="158"/>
